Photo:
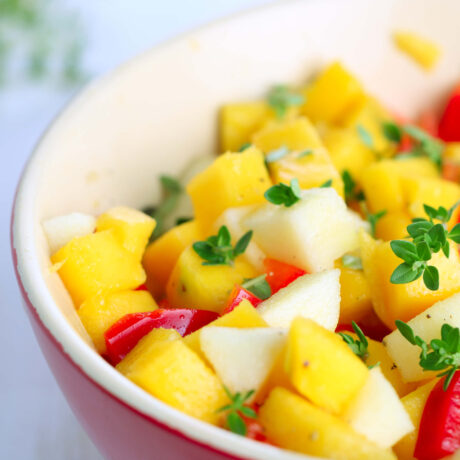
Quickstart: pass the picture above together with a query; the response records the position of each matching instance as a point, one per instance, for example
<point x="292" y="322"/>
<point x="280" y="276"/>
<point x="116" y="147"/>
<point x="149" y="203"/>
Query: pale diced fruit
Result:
<point x="232" y="218"/>
<point x="377" y="412"/>
<point x="131" y="227"/>
<point x="100" y="312"/>
<point x="315" y="296"/>
<point x="62" y="229"/>
<point x="311" y="234"/>
<point x="426" y="325"/>
<point x="296" y="424"/>
<point x="322" y="367"/>
<point x="242" y="358"/>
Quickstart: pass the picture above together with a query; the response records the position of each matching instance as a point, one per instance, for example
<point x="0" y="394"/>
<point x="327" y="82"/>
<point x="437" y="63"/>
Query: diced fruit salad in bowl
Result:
<point x="301" y="289"/>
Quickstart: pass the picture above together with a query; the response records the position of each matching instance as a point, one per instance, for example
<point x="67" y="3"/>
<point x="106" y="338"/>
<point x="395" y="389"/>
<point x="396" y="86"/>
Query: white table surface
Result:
<point x="35" y="420"/>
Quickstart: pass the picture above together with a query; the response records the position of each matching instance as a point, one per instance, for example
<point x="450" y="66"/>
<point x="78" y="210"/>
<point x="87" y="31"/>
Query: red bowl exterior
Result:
<point x="119" y="431"/>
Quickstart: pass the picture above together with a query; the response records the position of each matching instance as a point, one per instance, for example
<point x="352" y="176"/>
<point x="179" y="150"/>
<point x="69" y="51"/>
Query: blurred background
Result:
<point x="49" y="49"/>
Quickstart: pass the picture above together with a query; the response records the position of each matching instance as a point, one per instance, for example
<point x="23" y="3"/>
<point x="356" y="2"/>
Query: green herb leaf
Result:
<point x="349" y="186"/>
<point x="365" y="137"/>
<point x="276" y="155"/>
<point x="392" y="132"/>
<point x="360" y="346"/>
<point x="326" y="184"/>
<point x="280" y="98"/>
<point x="405" y="250"/>
<point x="183" y="220"/>
<point x="217" y="249"/>
<point x="405" y="273"/>
<point x="454" y="234"/>
<point x="245" y="146"/>
<point x="305" y="153"/>
<point x="372" y="218"/>
<point x="236" y="409"/>
<point x="282" y="194"/>
<point x="353" y="262"/>
<point x="258" y="286"/>
<point x="440" y="354"/>
<point x="431" y="278"/>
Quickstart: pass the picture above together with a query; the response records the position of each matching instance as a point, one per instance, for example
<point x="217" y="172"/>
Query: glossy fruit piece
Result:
<point x="404" y="301"/>
<point x="209" y="286"/>
<point x="332" y="95"/>
<point x="414" y="404"/>
<point x="393" y="226"/>
<point x="280" y="274"/>
<point x="100" y="312"/>
<point x="423" y="51"/>
<point x="439" y="433"/>
<point x="322" y="367"/>
<point x="124" y="335"/>
<point x="97" y="264"/>
<point x="449" y="126"/>
<point x="298" y="135"/>
<point x="234" y="179"/>
<point x="131" y="227"/>
<point x="237" y="295"/>
<point x="162" y="254"/>
<point x="294" y="423"/>
<point x="176" y="375"/>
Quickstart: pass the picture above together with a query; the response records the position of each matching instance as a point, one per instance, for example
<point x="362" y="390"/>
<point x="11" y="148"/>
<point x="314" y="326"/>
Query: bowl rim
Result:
<point x="40" y="303"/>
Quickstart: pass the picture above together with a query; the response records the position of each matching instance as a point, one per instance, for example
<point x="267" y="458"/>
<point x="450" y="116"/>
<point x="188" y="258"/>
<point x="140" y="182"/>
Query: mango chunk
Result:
<point x="294" y="423"/>
<point x="234" y="179"/>
<point x="239" y="121"/>
<point x="143" y="348"/>
<point x="177" y="376"/>
<point x="423" y="51"/>
<point x="322" y="367"/>
<point x="393" y="226"/>
<point x="161" y="255"/>
<point x="194" y="285"/>
<point x="331" y="95"/>
<point x="99" y="313"/>
<point x="414" y="403"/>
<point x="243" y="316"/>
<point x="308" y="160"/>
<point x="97" y="264"/>
<point x="404" y="301"/>
<point x="131" y="227"/>
<point x="355" y="297"/>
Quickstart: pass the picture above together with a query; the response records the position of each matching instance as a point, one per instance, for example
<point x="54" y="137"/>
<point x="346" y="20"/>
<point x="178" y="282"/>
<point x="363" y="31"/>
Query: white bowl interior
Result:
<point x="155" y="113"/>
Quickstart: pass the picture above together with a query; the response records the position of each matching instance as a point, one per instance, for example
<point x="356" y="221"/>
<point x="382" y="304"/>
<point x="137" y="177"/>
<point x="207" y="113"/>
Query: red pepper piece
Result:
<point x="280" y="274"/>
<point x="371" y="326"/>
<point x="142" y="287"/>
<point x="428" y="121"/>
<point x="449" y="126"/>
<point x="439" y="433"/>
<point x="239" y="294"/>
<point x="124" y="335"/>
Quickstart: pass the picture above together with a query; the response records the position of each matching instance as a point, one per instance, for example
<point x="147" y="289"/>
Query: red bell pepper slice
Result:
<point x="280" y="274"/>
<point x="237" y="295"/>
<point x="371" y="326"/>
<point x="124" y="335"/>
<point x="439" y="433"/>
<point x="449" y="126"/>
<point x="142" y="287"/>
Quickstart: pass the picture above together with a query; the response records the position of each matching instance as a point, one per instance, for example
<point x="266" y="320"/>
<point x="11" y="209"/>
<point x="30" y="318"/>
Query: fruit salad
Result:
<point x="302" y="288"/>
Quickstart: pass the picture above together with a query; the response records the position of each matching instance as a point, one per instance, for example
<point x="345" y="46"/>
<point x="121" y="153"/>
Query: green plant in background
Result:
<point x="40" y="40"/>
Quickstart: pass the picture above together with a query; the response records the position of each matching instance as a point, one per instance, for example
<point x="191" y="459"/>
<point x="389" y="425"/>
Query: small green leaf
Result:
<point x="431" y="278"/>
<point x="305" y="153"/>
<point x="454" y="234"/>
<point x="353" y="262"/>
<point x="349" y="185"/>
<point x="276" y="155"/>
<point x="365" y="137"/>
<point x="258" y="286"/>
<point x="405" y="250"/>
<point x="236" y="424"/>
<point x="242" y="244"/>
<point x="423" y="251"/>
<point x="406" y="331"/>
<point x="326" y="184"/>
<point x="419" y="228"/>
<point x="392" y="132"/>
<point x="280" y="98"/>
<point x="404" y="274"/>
<point x="245" y="146"/>
<point x="282" y="194"/>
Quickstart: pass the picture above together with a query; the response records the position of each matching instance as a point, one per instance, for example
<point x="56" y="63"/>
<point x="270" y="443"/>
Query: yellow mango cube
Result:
<point x="239" y="121"/>
<point x="144" y="347"/>
<point x="423" y="51"/>
<point x="382" y="187"/>
<point x="194" y="285"/>
<point x="404" y="301"/>
<point x="96" y="264"/>
<point x="298" y="135"/>
<point x="331" y="95"/>
<point x="355" y="297"/>
<point x="176" y="375"/>
<point x="322" y="367"/>
<point x="161" y="255"/>
<point x="131" y="227"/>
<point x="393" y="226"/>
<point x="415" y="167"/>
<point x="99" y="313"/>
<point x="243" y="316"/>
<point x="347" y="151"/>
<point x="234" y="179"/>
<point x="414" y="403"/>
<point x="294" y="423"/>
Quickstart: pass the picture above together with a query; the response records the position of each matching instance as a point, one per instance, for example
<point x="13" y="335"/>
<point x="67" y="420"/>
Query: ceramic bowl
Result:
<point x="152" y="116"/>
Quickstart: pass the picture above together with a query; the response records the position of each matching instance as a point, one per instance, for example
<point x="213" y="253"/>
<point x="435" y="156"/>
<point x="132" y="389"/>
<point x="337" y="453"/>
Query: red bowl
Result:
<point x="150" y="117"/>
